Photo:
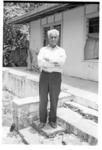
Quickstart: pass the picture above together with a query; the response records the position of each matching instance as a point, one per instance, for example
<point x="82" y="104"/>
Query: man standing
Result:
<point x="50" y="60"/>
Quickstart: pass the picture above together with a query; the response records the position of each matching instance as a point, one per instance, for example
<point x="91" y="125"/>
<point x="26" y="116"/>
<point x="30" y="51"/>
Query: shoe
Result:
<point x="53" y="124"/>
<point x="41" y="125"/>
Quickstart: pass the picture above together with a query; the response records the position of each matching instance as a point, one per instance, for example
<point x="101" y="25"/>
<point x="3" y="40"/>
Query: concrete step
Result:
<point x="31" y="136"/>
<point x="24" y="84"/>
<point x="87" y="102"/>
<point x="76" y="124"/>
<point x="83" y="108"/>
<point x="25" y="110"/>
<point x="71" y="139"/>
<point x="86" y="112"/>
<point x="47" y="131"/>
<point x="82" y="97"/>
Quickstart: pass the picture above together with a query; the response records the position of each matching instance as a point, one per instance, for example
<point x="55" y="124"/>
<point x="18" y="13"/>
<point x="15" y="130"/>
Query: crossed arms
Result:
<point x="47" y="62"/>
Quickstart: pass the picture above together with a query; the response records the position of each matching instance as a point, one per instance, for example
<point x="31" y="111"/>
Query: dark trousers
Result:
<point x="50" y="83"/>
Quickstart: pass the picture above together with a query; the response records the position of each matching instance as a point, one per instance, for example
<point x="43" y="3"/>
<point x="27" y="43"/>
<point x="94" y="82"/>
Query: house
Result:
<point x="78" y="24"/>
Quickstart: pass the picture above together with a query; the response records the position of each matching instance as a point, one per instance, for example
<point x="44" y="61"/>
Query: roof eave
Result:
<point x="49" y="11"/>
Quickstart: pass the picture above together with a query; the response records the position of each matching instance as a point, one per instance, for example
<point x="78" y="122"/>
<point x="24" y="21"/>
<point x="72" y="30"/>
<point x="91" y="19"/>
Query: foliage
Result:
<point x="15" y="37"/>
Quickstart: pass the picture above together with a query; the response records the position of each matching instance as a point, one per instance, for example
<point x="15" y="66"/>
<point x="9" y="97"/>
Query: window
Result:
<point x="92" y="42"/>
<point x="58" y="27"/>
<point x="45" y="29"/>
<point x="94" y="25"/>
<point x="45" y="38"/>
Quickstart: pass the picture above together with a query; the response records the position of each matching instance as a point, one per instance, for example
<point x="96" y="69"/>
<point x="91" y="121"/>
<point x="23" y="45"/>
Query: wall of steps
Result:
<point x="20" y="84"/>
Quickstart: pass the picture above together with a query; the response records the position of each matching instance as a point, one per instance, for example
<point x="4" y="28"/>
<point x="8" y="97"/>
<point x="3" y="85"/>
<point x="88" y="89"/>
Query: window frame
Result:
<point x="51" y="27"/>
<point x="90" y="25"/>
<point x="87" y="17"/>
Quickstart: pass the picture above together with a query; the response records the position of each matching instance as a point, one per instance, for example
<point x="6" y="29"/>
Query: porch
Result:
<point x="78" y="102"/>
<point x="76" y="86"/>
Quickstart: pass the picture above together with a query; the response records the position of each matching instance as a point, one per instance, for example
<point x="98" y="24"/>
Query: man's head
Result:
<point x="53" y="36"/>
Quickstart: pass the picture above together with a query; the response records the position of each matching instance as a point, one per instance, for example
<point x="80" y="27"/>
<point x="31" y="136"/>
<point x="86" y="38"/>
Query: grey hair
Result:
<point x="53" y="32"/>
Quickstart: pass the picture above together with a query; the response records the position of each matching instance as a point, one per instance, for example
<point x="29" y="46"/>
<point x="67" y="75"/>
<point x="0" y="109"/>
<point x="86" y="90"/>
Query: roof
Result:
<point x="46" y="10"/>
<point x="42" y="12"/>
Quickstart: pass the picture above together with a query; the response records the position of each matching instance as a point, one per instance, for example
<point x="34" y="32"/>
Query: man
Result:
<point x="50" y="60"/>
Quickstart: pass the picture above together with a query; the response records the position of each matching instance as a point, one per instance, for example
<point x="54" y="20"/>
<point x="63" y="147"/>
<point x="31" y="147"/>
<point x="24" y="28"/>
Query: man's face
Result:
<point x="53" y="40"/>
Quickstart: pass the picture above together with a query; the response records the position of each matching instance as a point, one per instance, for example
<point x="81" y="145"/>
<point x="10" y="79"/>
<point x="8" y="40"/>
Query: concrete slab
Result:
<point x="77" y="121"/>
<point x="87" y="102"/>
<point x="75" y="86"/>
<point x="17" y="71"/>
<point x="93" y="97"/>
<point x="25" y="110"/>
<point x="70" y="139"/>
<point x="83" y="108"/>
<point x="64" y="95"/>
<point x="48" y="131"/>
<point x="80" y="83"/>
<point x="30" y="136"/>
<point x="26" y="100"/>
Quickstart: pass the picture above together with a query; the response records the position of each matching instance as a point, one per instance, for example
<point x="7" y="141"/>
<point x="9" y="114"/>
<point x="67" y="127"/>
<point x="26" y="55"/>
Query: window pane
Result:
<point x="94" y="25"/>
<point x="89" y="48"/>
<point x="58" y="27"/>
<point x="45" y="37"/>
<point x="92" y="48"/>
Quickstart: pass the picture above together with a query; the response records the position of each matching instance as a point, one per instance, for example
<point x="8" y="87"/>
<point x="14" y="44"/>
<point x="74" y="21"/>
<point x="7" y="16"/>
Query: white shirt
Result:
<point x="55" y="55"/>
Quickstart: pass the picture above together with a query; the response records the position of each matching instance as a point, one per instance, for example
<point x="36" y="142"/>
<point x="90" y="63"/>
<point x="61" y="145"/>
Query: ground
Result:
<point x="7" y="120"/>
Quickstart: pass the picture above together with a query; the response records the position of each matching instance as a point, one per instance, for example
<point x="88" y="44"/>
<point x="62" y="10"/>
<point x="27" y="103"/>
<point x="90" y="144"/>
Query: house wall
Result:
<point x="35" y="35"/>
<point x="73" y="41"/>
<point x="74" y="33"/>
<point x="35" y="42"/>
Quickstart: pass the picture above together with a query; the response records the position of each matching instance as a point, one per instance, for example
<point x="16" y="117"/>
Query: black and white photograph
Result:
<point x="50" y="73"/>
